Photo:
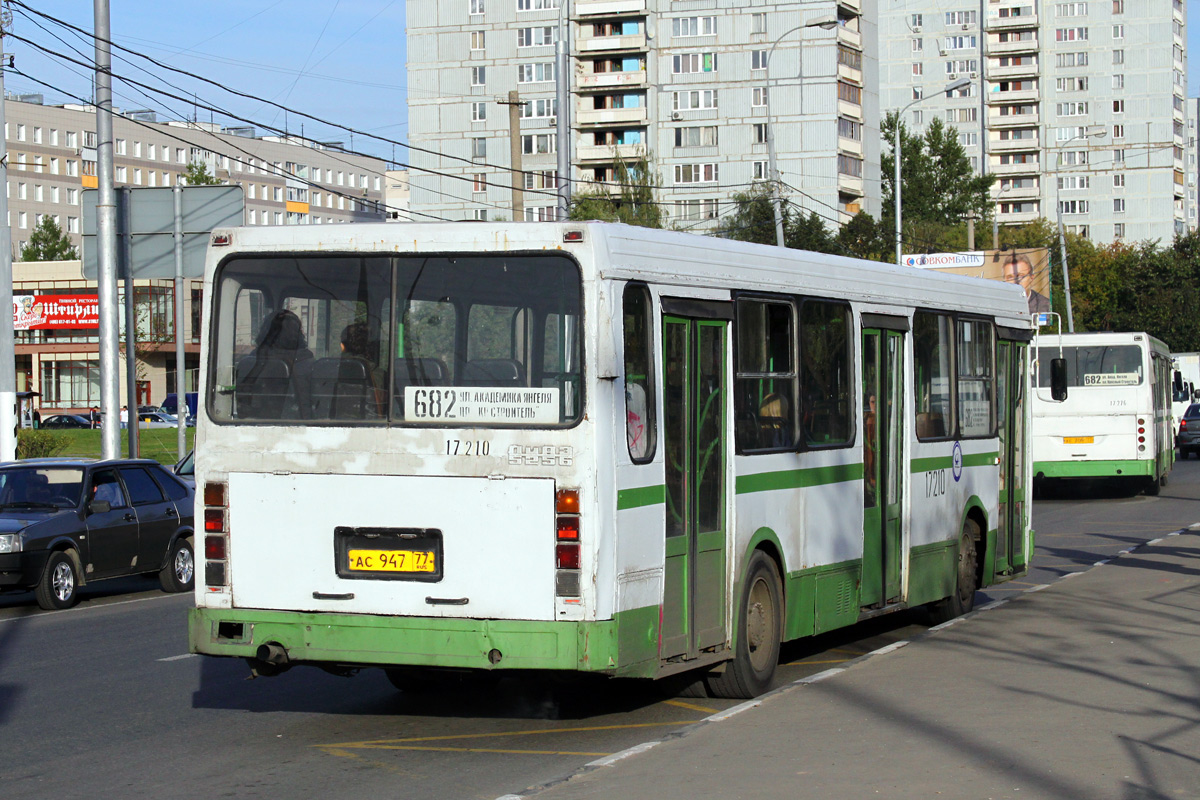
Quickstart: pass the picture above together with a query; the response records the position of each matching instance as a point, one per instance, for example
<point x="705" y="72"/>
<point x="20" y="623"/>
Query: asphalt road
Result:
<point x="103" y="700"/>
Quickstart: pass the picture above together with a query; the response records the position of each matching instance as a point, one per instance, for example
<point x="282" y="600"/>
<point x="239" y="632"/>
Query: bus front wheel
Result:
<point x="963" y="599"/>
<point x="759" y="631"/>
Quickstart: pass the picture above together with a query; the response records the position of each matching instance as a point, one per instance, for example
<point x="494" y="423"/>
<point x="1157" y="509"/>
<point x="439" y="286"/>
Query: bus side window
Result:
<point x="826" y="373"/>
<point x="637" y="329"/>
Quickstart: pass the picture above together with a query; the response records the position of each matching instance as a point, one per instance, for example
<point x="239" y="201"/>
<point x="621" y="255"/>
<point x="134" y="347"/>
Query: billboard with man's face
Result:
<point x="1027" y="267"/>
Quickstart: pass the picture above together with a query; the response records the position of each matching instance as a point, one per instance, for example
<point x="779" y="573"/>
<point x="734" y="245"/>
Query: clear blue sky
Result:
<point x="339" y="60"/>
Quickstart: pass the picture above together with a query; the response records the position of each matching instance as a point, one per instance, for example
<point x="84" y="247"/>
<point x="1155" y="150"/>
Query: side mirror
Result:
<point x="1058" y="379"/>
<point x="99" y="506"/>
<point x="1178" y="385"/>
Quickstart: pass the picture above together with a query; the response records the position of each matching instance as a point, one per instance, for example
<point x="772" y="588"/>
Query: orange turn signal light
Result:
<point x="566" y="501"/>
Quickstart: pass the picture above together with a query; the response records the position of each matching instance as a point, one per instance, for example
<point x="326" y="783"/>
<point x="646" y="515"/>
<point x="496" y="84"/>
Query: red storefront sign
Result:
<point x="38" y="312"/>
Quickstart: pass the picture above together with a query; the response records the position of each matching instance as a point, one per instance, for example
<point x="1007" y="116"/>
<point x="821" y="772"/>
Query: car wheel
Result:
<point x="179" y="575"/>
<point x="59" y="586"/>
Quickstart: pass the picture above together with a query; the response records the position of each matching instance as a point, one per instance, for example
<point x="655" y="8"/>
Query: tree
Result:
<point x="753" y="217"/>
<point x="48" y="243"/>
<point x="197" y="174"/>
<point x="938" y="187"/>
<point x="631" y="200"/>
<point x="865" y="238"/>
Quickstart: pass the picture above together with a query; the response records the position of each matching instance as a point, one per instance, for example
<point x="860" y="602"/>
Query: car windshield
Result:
<point x="40" y="487"/>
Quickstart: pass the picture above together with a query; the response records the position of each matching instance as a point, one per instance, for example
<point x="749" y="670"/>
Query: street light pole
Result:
<point x="562" y="93"/>
<point x="1098" y="131"/>
<point x="950" y="87"/>
<point x="826" y="22"/>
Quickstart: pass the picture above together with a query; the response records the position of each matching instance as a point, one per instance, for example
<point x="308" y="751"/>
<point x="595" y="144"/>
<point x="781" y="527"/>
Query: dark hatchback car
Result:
<point x="1188" y="438"/>
<point x="66" y="421"/>
<point x="65" y="522"/>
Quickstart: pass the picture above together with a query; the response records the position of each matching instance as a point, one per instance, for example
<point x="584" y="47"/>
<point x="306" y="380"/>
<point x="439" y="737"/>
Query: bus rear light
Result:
<point x="568" y="528"/>
<point x="214" y="573"/>
<point x="214" y="547"/>
<point x="566" y="555"/>
<point x="1141" y="421"/>
<point x="566" y="501"/>
<point x="1141" y="430"/>
<point x="1141" y="438"/>
<point x="214" y="520"/>
<point x="214" y="494"/>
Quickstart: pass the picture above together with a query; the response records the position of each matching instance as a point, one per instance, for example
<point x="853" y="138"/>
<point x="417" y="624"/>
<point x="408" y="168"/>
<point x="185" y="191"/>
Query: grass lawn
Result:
<point x="157" y="443"/>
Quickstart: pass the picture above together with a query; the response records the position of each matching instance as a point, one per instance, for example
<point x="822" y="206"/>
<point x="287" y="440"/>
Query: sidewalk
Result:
<point x="1087" y="690"/>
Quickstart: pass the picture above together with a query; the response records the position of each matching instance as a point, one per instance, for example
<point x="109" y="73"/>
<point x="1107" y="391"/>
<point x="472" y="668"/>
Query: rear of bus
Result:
<point x="1108" y="426"/>
<point x="393" y="451"/>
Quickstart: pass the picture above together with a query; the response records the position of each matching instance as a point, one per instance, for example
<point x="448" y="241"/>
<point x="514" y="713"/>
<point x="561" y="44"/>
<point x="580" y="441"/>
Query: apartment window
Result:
<point x="1118" y="31"/>
<point x="253" y="193"/>
<point x="693" y="62"/>
<point x="277" y="193"/>
<point x="1076" y="84"/>
<point x="1075" y="109"/>
<point x="918" y="68"/>
<point x="536" y="5"/>
<point x="20" y="132"/>
<point x="1074" y="182"/>
<point x="478" y="76"/>
<point x="1118" y="56"/>
<point x="72" y="224"/>
<point x="850" y="165"/>
<point x="959" y="18"/>
<point x="759" y="98"/>
<point x="72" y="139"/>
<point x="121" y="174"/>
<point x="850" y="93"/>
<point x="54" y="194"/>
<point x="479" y="182"/>
<point x="695" y="173"/>
<point x="760" y="133"/>
<point x="1073" y="206"/>
<point x="1119" y="230"/>
<point x="1118" y="106"/>
<point x="1119" y="181"/>
<point x="73" y="197"/>
<point x="761" y="170"/>
<point x="918" y="117"/>
<point x="22" y="220"/>
<point x="476" y="6"/>
<point x="54" y="166"/>
<point x="758" y="59"/>
<point x="1071" y="34"/>
<point x="180" y="156"/>
<point x="151" y="153"/>
<point x="535" y="73"/>
<point x="917" y="20"/>
<point x="54" y="137"/>
<point x="121" y="148"/>
<point x="38" y="163"/>
<point x="696" y="136"/>
<point x="538" y="143"/>
<point x="1070" y="10"/>
<point x="477" y="39"/>
<point x="542" y="179"/>
<point x="918" y="44"/>
<point x="478" y="112"/>
<point x="961" y="42"/>
<point x="968" y="139"/>
<point x="137" y="177"/>
<point x="38" y="193"/>
<point x="22" y="191"/>
<point x="37" y="135"/>
<point x="758" y="23"/>
<point x="540" y="214"/>
<point x="536" y="37"/>
<point x="1118" y="81"/>
<point x="1119" y="205"/>
<point x="480" y="214"/>
<point x="1118" y="7"/>
<point x="702" y="26"/>
<point x="695" y="100"/>
<point x="539" y="109"/>
<point x="849" y="129"/>
<point x="962" y="114"/>
<point x="1061" y="59"/>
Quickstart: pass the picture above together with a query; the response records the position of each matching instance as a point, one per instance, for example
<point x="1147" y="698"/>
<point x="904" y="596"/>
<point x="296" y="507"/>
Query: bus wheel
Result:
<point x="963" y="599"/>
<point x="759" y="631"/>
<point x="1154" y="486"/>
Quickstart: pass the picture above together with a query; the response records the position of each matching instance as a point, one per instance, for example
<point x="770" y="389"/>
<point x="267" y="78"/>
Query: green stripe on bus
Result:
<point x="946" y="462"/>
<point x="641" y="496"/>
<point x="1094" y="469"/>
<point x="798" y="478"/>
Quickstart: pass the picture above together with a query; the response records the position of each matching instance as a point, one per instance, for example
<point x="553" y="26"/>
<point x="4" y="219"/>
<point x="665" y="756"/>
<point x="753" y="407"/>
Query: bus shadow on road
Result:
<point x="1088" y="488"/>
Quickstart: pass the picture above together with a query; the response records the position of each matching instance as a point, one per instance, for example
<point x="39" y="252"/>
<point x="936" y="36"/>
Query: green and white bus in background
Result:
<point x="1116" y="421"/>
<point x="592" y="448"/>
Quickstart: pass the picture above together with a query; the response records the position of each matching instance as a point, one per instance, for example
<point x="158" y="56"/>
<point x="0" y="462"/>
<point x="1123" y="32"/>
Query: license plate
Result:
<point x="391" y="561"/>
<point x="388" y="554"/>
<point x="1079" y="439"/>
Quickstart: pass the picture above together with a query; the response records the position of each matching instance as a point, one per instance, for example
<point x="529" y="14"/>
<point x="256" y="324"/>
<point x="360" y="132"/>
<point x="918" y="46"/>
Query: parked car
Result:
<point x="156" y="419"/>
<point x="185" y="470"/>
<point x="66" y="421"/>
<point x="65" y="522"/>
<point x="1188" y="438"/>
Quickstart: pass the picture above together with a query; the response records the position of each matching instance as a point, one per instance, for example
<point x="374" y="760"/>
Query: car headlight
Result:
<point x="10" y="542"/>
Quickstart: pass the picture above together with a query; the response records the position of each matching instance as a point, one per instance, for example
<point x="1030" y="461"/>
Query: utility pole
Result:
<point x="562" y="94"/>
<point x="106" y="243"/>
<point x="8" y="356"/>
<point x="514" y="153"/>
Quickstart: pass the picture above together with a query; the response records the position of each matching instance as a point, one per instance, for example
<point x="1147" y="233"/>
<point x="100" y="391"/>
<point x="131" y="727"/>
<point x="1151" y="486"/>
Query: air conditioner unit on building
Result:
<point x="552" y="121"/>
<point x="675" y="116"/>
<point x="952" y="76"/>
<point x="966" y="26"/>
<point x="916" y="29"/>
<point x="974" y="75"/>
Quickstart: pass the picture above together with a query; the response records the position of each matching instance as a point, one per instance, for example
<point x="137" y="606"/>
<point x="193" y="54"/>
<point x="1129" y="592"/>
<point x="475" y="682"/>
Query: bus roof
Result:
<point x="1109" y="338"/>
<point x="659" y="256"/>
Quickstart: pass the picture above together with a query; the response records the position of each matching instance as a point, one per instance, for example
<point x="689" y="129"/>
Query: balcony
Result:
<point x="1018" y="218"/>
<point x="611" y="116"/>
<point x="609" y="152"/>
<point x="1011" y="23"/>
<point x="849" y="184"/>
<point x="608" y="8"/>
<point x="1006" y="121"/>
<point x="1013" y="194"/>
<point x="850" y="146"/>
<point x="1013" y="169"/>
<point x="1014" y="97"/>
<point x="1019" y="72"/>
<point x="849" y="37"/>
<point x="606" y="44"/>
<point x="851" y="74"/>
<point x="1012" y="48"/>
<point x="612" y="80"/>
<point x="1012" y="145"/>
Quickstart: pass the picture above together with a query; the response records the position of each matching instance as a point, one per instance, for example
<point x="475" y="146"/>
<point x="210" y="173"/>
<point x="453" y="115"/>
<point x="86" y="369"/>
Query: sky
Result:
<point x="340" y="61"/>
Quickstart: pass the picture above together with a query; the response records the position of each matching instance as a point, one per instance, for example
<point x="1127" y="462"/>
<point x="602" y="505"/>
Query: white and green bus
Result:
<point x="1116" y="421"/>
<point x="592" y="448"/>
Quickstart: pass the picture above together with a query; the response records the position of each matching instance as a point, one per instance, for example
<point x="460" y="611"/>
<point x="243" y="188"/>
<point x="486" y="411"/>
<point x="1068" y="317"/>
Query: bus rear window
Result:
<point x="1113" y="365"/>
<point x="450" y="341"/>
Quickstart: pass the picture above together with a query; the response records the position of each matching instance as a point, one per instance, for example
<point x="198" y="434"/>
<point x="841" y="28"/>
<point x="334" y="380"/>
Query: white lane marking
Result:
<point x="1037" y="588"/>
<point x="178" y="658"/>
<point x="64" y="613"/>
<point x="730" y="712"/>
<point x="608" y="761"/>
<point x="820" y="676"/>
<point x="891" y="648"/>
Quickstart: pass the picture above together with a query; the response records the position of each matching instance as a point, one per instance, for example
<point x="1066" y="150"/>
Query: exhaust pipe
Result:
<point x="272" y="653"/>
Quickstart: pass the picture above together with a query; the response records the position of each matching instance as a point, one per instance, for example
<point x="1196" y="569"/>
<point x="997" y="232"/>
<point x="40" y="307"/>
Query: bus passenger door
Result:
<point x="694" y="397"/>
<point x="1011" y="397"/>
<point x="883" y="451"/>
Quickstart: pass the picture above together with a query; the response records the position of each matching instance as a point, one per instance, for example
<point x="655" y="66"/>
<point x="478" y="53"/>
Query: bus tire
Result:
<point x="1153" y="486"/>
<point x="759" y="633"/>
<point x="963" y="599"/>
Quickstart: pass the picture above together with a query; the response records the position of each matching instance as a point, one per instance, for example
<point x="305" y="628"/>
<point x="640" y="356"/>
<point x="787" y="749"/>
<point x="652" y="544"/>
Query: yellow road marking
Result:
<point x="690" y="706"/>
<point x="411" y="743"/>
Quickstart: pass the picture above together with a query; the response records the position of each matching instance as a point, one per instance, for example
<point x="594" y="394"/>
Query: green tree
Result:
<point x="863" y="237"/>
<point x="632" y="200"/>
<point x="197" y="174"/>
<point x="48" y="243"/>
<point x="938" y="187"/>
<point x="753" y="217"/>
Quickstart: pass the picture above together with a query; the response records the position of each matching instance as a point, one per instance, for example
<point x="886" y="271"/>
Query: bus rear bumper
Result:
<point x="1094" y="469"/>
<point x="363" y="640"/>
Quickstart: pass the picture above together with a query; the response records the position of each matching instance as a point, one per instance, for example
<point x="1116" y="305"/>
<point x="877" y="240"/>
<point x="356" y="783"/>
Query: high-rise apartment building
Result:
<point x="1077" y="107"/>
<point x="1192" y="174"/>
<point x="684" y="82"/>
<point x="287" y="181"/>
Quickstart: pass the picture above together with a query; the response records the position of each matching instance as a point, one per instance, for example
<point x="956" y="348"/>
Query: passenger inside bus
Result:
<point x="352" y="385"/>
<point x="275" y="378"/>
